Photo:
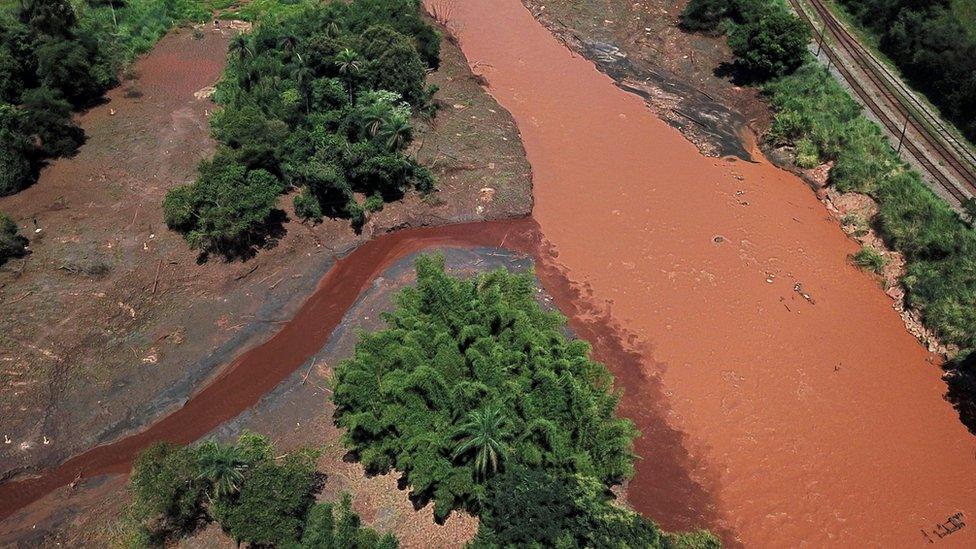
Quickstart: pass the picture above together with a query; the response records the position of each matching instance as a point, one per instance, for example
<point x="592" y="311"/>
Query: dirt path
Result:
<point x="808" y="413"/>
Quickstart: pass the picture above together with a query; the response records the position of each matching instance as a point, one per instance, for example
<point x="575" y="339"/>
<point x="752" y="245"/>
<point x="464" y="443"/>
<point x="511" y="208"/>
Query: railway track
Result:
<point x="936" y="143"/>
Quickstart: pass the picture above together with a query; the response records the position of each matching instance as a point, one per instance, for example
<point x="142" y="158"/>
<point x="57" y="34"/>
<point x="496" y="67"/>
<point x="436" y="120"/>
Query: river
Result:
<point x="782" y="401"/>
<point x="811" y="422"/>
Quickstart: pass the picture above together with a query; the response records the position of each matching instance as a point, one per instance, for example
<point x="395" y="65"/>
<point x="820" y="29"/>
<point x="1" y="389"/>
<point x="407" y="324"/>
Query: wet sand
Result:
<point x="810" y="422"/>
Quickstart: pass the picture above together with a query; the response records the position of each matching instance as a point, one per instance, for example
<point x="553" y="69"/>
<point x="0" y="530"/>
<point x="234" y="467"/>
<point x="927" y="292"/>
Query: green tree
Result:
<point x="484" y="434"/>
<point x="273" y="502"/>
<point x="222" y="467"/>
<point x="349" y="65"/>
<point x="456" y="346"/>
<point x="395" y="131"/>
<point x="167" y="489"/>
<point x="772" y="45"/>
<point x="331" y="526"/>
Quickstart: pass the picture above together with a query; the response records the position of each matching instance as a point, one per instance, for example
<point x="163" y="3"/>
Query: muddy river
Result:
<point x="782" y="401"/>
<point x="807" y="420"/>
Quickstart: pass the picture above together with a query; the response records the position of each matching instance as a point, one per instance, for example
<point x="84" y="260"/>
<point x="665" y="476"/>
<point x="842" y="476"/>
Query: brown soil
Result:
<point x="807" y="414"/>
<point x="103" y="328"/>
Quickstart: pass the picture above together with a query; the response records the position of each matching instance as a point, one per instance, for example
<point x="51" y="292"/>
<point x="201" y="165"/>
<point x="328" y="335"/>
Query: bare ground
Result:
<point x="104" y="325"/>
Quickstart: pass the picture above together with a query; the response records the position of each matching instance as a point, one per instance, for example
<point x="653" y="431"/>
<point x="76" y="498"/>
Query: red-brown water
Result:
<point x="775" y="420"/>
<point x="811" y="423"/>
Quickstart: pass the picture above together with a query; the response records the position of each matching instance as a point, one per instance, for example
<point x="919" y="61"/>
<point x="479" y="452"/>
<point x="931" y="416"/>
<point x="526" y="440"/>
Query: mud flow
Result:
<point x="781" y="401"/>
<point x="782" y="385"/>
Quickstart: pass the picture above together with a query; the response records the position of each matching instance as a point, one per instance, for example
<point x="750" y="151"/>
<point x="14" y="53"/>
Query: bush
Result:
<point x="704" y="15"/>
<point x="273" y="502"/>
<point x="228" y="210"/>
<point x="531" y="507"/>
<point x="331" y="526"/>
<point x="772" y="45"/>
<point x="167" y="491"/>
<point x="307" y="206"/>
<point x="869" y="259"/>
<point x="12" y="244"/>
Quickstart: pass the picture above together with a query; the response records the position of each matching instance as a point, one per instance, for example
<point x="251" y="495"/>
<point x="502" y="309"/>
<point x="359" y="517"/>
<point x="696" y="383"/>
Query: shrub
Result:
<point x="869" y="259"/>
<point x="257" y="498"/>
<point x="772" y="45"/>
<point x="307" y="206"/>
<point x="273" y="502"/>
<point x="534" y="508"/>
<point x="227" y="210"/>
<point x="167" y="491"/>
<point x="331" y="526"/>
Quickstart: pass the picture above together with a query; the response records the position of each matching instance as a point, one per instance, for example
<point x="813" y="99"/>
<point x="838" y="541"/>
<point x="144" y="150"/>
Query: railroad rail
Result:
<point x="932" y="134"/>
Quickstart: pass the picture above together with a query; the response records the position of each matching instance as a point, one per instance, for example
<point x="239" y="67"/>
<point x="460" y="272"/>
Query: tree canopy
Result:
<point x="475" y="394"/>
<point x="254" y="496"/>
<point x="320" y="99"/>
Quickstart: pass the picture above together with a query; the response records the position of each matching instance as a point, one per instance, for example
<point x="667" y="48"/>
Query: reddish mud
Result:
<point x="242" y="383"/>
<point x="811" y="416"/>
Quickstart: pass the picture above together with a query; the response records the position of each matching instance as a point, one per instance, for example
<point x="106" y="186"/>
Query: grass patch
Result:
<point x="869" y="259"/>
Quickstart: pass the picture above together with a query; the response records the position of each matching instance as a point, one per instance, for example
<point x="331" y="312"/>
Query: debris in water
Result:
<point x="798" y="288"/>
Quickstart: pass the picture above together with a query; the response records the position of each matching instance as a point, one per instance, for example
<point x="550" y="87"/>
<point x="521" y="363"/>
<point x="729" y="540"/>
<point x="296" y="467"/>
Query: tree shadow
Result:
<point x="960" y="378"/>
<point x="265" y="237"/>
<point x="738" y="74"/>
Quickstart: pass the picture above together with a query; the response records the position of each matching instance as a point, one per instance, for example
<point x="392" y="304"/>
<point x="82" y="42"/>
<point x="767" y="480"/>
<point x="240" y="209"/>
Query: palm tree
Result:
<point x="349" y="66"/>
<point x="485" y="430"/>
<point x="222" y="467"/>
<point x="240" y="46"/>
<point x="396" y="131"/>
<point x="373" y="118"/>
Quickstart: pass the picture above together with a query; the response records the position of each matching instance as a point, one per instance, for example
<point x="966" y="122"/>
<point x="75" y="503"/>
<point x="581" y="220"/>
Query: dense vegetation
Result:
<point x="931" y="45"/>
<point x="321" y="100"/>
<point x="12" y="244"/>
<point x="255" y="497"/>
<point x="476" y="396"/>
<point x="767" y="39"/>
<point x="817" y="117"/>
<point x="57" y="56"/>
